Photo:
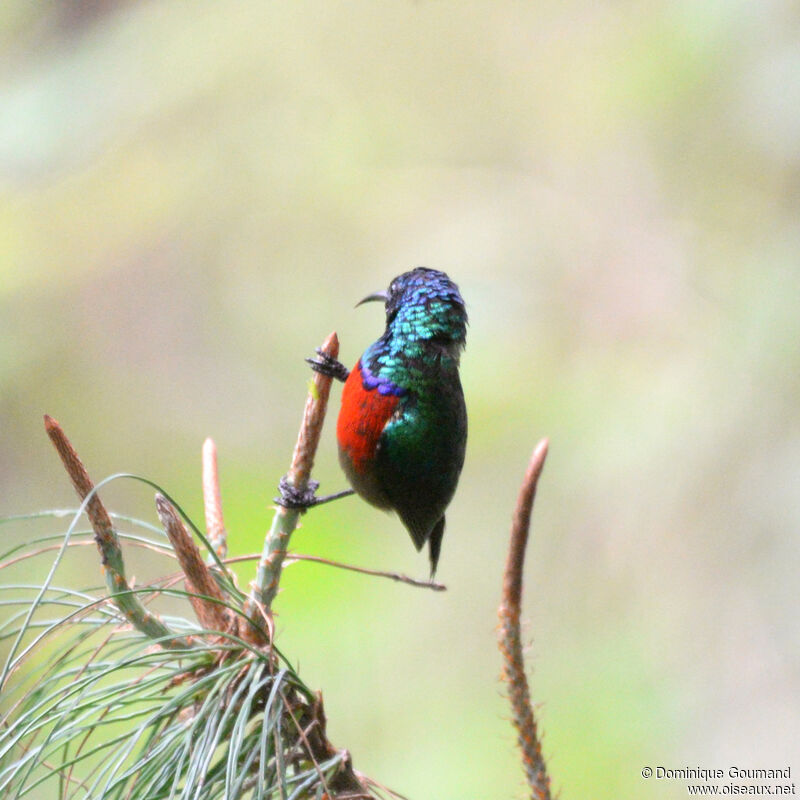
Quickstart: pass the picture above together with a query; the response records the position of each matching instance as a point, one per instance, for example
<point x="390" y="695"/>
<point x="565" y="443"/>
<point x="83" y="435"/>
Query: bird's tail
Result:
<point x="435" y="544"/>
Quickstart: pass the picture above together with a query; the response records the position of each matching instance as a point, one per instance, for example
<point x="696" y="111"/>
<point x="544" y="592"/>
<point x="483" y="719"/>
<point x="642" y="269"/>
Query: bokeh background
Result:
<point x="192" y="195"/>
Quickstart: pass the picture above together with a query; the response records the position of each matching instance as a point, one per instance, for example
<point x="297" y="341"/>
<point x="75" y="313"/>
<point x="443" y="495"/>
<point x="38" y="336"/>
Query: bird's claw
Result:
<point x="327" y="365"/>
<point x="292" y="497"/>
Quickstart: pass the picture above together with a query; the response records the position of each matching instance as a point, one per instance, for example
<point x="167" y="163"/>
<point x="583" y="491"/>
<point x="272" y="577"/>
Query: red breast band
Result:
<point x="362" y="418"/>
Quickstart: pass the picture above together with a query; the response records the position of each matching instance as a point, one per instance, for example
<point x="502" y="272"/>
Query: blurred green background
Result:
<point x="192" y="195"/>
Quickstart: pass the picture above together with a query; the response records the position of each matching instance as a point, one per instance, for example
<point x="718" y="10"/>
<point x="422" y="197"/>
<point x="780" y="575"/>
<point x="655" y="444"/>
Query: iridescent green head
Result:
<point x="425" y="306"/>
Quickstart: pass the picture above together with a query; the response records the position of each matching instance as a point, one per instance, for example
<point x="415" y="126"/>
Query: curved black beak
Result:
<point x="375" y="296"/>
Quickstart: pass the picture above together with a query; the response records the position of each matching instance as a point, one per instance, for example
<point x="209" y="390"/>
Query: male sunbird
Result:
<point x="402" y="427"/>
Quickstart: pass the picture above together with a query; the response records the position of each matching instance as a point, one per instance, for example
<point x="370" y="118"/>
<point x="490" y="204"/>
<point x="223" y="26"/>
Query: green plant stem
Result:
<point x="285" y="519"/>
<point x="108" y="544"/>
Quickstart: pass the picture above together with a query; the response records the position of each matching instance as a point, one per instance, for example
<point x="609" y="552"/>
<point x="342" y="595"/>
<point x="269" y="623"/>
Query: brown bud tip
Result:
<point x="331" y="345"/>
<point x="540" y="452"/>
<point x="163" y="506"/>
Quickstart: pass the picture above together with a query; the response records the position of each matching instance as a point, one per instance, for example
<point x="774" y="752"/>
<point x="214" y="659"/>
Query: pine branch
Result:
<point x="105" y="713"/>
<point x="223" y="716"/>
<point x="509" y="636"/>
<point x="204" y="593"/>
<point x="285" y="519"/>
<point x="108" y="544"/>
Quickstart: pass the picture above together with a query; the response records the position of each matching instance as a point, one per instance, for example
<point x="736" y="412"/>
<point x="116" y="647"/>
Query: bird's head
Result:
<point x="424" y="305"/>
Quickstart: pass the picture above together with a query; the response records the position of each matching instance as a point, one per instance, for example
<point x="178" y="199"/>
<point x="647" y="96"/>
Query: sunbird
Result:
<point x="402" y="427"/>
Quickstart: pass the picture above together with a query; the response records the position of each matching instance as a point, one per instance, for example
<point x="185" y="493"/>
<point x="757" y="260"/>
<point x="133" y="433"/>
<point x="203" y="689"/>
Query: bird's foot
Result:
<point x="327" y="365"/>
<point x="292" y="497"/>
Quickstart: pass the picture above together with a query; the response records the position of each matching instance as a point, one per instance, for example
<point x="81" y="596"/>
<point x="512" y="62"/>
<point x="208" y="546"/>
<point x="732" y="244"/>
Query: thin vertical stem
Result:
<point x="509" y="636"/>
<point x="285" y="519"/>
<point x="212" y="501"/>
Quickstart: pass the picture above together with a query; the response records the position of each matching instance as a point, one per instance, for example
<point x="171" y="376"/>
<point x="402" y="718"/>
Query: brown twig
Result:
<point x="108" y="543"/>
<point x="212" y="501"/>
<point x="204" y="592"/>
<point x="394" y="576"/>
<point x="509" y="637"/>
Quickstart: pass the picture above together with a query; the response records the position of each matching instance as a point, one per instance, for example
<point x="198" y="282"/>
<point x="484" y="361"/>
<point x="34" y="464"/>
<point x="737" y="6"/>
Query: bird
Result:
<point x="402" y="426"/>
